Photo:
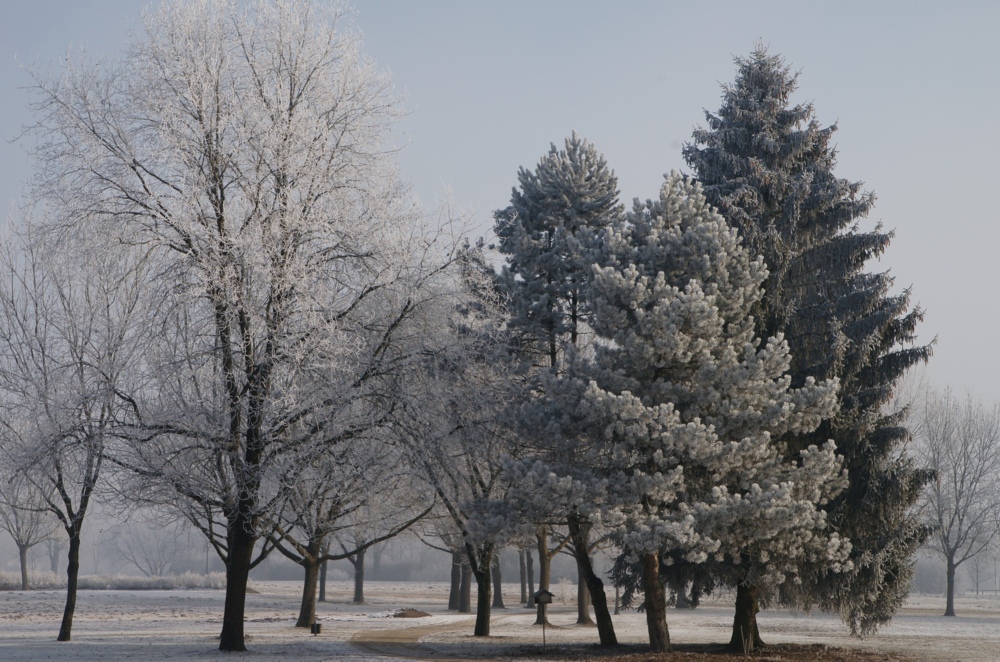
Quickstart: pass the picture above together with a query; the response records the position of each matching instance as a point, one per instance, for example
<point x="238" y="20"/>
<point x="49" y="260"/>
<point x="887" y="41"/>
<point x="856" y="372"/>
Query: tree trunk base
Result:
<point x="746" y="637"/>
<point x="594" y="587"/>
<point x="484" y="599"/>
<point x="656" y="604"/>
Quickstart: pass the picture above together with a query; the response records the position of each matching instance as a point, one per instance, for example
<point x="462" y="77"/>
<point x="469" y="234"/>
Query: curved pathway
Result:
<point x="405" y="643"/>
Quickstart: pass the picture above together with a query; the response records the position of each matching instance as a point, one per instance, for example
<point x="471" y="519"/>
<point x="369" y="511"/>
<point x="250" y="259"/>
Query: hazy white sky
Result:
<point x="913" y="85"/>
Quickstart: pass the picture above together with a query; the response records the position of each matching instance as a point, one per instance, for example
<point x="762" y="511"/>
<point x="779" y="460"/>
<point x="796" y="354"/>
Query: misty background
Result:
<point x="488" y="86"/>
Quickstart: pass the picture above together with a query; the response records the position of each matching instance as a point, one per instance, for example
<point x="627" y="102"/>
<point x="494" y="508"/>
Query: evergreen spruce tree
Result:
<point x="674" y="410"/>
<point x="545" y="234"/>
<point x="767" y="165"/>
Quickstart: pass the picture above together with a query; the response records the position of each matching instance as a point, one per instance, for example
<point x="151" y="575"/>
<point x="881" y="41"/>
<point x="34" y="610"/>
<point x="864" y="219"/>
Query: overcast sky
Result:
<point x="914" y="87"/>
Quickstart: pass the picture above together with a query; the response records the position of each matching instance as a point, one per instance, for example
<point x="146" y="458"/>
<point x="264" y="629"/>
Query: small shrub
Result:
<point x="11" y="581"/>
<point x="187" y="580"/>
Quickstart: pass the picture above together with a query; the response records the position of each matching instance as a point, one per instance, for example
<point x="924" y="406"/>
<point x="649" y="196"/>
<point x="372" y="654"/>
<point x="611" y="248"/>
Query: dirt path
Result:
<point x="405" y="642"/>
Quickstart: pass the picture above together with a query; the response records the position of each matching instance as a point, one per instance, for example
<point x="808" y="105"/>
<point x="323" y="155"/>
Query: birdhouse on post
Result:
<point x="543" y="597"/>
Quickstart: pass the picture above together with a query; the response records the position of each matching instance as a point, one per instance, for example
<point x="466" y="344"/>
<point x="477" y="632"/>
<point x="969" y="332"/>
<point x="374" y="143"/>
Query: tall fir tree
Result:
<point x="545" y="235"/>
<point x="767" y="165"/>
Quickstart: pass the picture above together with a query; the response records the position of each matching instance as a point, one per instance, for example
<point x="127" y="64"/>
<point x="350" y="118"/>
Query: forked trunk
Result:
<point x="22" y="556"/>
<point x="322" y="582"/>
<point x="359" y="578"/>
<point x="544" y="570"/>
<point x="656" y="604"/>
<point x="746" y="637"/>
<point x="307" y="610"/>
<point x="455" y="592"/>
<point x="949" y="609"/>
<point x="465" y="594"/>
<point x="72" y="575"/>
<point x="484" y="600"/>
<point x="241" y="543"/>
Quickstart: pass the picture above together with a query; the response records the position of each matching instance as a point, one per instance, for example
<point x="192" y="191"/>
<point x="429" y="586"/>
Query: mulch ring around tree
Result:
<point x="717" y="653"/>
<point x="409" y="613"/>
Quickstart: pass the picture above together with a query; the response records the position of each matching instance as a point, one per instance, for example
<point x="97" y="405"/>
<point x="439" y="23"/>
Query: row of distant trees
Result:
<point x="224" y="304"/>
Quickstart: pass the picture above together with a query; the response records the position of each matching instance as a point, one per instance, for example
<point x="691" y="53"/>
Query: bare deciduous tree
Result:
<point x="961" y="442"/>
<point x="70" y="330"/>
<point x="458" y="439"/>
<point x="355" y="496"/>
<point x="151" y="550"/>
<point x="246" y="150"/>
<point x="23" y="514"/>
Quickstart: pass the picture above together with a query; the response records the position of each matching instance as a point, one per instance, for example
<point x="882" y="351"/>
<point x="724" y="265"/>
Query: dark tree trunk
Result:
<point x="307" y="610"/>
<point x="359" y="577"/>
<point x="580" y="532"/>
<point x="22" y="556"/>
<point x="544" y="569"/>
<point x="455" y="593"/>
<point x="746" y="637"/>
<point x="72" y="576"/>
<point x="618" y="600"/>
<point x="322" y="582"/>
<point x="530" y="563"/>
<point x="465" y="595"/>
<point x="497" y="584"/>
<point x="241" y="543"/>
<point x="681" y="595"/>
<point x="524" y="576"/>
<point x="582" y="599"/>
<point x="484" y="600"/>
<point x="949" y="609"/>
<point x="656" y="604"/>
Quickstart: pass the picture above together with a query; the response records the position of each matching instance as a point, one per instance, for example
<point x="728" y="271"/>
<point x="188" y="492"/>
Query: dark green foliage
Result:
<point x="768" y="167"/>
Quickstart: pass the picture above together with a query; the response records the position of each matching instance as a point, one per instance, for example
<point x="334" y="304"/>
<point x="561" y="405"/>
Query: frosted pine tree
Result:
<point x="768" y="166"/>
<point x="545" y="235"/>
<point x="676" y="410"/>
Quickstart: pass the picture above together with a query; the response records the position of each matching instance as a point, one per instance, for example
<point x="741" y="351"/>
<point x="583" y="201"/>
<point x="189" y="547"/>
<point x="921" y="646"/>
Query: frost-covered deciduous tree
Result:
<point x="440" y="526"/>
<point x="23" y="514"/>
<point x="150" y="549"/>
<point x="677" y="410"/>
<point x="72" y="326"/>
<point x="245" y="149"/>
<point x="960" y="441"/>
<point x="768" y="166"/>
<point x="546" y="235"/>
<point x="458" y="435"/>
<point x="349" y="493"/>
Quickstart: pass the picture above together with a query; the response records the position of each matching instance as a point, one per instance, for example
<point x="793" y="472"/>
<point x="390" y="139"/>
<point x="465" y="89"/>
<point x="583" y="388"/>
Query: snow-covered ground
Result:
<point x="183" y="625"/>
